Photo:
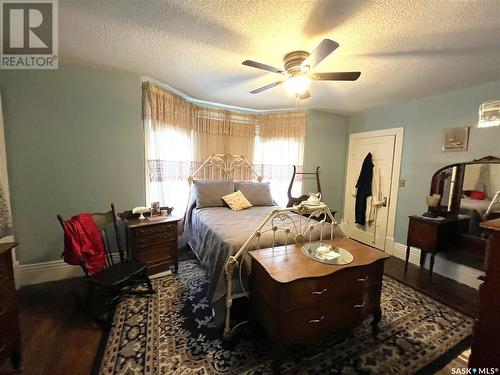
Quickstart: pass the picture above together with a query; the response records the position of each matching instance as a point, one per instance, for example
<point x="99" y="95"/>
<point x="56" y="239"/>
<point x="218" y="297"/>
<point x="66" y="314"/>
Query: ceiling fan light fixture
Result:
<point x="297" y="85"/>
<point x="305" y="68"/>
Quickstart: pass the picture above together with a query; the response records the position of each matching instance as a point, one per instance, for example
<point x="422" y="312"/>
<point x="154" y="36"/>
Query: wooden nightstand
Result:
<point x="430" y="236"/>
<point x="154" y="242"/>
<point x="298" y="300"/>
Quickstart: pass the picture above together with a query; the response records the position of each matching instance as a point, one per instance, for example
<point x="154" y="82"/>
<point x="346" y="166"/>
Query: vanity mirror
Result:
<point x="470" y="194"/>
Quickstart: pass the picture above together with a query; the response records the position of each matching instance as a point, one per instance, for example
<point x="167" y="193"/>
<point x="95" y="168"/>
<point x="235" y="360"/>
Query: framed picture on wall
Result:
<point x="455" y="139"/>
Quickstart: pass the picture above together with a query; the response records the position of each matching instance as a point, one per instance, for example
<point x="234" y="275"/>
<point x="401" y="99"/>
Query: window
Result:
<point x="274" y="159"/>
<point x="180" y="135"/>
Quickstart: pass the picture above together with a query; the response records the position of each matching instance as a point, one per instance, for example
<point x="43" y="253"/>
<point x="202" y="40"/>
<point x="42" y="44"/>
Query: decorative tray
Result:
<point x="328" y="254"/>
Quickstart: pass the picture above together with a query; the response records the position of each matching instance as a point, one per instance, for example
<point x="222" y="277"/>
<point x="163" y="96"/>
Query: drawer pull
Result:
<point x="317" y="320"/>
<point x="359" y="306"/>
<point x="363" y="279"/>
<point x="320" y="292"/>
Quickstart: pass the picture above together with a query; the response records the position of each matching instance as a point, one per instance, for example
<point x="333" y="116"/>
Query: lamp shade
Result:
<point x="297" y="84"/>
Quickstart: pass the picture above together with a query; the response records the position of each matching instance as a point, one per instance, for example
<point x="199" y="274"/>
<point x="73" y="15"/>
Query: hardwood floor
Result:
<point x="59" y="339"/>
<point x="459" y="296"/>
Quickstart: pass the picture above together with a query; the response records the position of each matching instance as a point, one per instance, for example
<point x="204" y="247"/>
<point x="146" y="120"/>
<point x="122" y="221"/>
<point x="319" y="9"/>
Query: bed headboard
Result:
<point x="225" y="167"/>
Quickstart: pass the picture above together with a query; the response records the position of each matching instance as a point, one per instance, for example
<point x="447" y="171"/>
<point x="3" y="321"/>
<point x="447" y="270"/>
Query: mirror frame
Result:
<point x="456" y="192"/>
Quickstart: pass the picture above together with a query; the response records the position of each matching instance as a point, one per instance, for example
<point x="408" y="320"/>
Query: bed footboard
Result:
<point x="295" y="231"/>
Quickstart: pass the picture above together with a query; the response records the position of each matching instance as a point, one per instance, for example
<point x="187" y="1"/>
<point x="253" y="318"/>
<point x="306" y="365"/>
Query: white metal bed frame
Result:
<point x="228" y="166"/>
<point x="298" y="230"/>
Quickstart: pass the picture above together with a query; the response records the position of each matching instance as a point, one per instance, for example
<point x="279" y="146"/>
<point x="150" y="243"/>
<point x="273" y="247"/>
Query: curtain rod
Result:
<point x="219" y="105"/>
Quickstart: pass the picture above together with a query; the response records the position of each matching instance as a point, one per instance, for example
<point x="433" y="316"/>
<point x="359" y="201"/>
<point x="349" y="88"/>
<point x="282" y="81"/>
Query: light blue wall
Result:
<point x="424" y="121"/>
<point x="74" y="144"/>
<point x="326" y="146"/>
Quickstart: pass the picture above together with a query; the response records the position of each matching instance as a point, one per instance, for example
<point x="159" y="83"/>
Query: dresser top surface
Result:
<point x="492" y="224"/>
<point x="6" y="246"/>
<point x="291" y="264"/>
<point x="134" y="223"/>
<point x="433" y="220"/>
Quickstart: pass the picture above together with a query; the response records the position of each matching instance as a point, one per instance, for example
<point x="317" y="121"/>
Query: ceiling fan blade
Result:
<point x="266" y="87"/>
<point x="306" y="94"/>
<point x="341" y="76"/>
<point x="323" y="49"/>
<point x="258" y="65"/>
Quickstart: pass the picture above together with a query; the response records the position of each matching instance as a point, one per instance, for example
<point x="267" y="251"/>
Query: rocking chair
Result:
<point x="119" y="277"/>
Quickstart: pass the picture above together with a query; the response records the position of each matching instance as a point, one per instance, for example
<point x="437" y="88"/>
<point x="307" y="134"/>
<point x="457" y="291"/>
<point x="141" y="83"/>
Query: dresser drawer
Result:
<point x="7" y="292"/>
<point x="6" y="280"/>
<point x="166" y="250"/>
<point x="155" y="239"/>
<point x="300" y="324"/>
<point x="4" y="348"/>
<point x="5" y="267"/>
<point x="318" y="291"/>
<point x="9" y="329"/>
<point x="422" y="234"/>
<point x="154" y="229"/>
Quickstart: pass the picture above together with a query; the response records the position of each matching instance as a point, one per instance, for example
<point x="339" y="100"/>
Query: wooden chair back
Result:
<point x="110" y="226"/>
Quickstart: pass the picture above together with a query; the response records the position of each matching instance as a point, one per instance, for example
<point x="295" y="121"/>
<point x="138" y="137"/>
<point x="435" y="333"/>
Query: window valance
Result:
<point x="164" y="108"/>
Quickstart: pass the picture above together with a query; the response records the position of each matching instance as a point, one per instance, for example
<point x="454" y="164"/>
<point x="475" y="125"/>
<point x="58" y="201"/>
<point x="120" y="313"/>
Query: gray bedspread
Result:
<point x="215" y="233"/>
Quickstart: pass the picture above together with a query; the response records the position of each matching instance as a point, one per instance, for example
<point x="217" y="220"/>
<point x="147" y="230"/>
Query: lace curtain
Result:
<point x="5" y="216"/>
<point x="180" y="135"/>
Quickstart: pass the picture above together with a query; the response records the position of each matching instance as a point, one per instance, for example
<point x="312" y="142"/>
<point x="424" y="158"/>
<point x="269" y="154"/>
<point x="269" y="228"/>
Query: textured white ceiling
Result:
<point x="404" y="49"/>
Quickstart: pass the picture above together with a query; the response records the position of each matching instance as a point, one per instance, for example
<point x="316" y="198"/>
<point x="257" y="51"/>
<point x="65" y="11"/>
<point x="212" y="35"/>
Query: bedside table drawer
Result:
<point x="155" y="239"/>
<point x="166" y="250"/>
<point x="155" y="229"/>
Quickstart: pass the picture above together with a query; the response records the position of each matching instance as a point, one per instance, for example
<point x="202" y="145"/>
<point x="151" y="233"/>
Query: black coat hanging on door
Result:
<point x="364" y="186"/>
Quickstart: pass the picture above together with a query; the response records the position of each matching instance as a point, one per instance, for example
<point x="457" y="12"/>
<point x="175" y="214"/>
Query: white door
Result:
<point x="381" y="147"/>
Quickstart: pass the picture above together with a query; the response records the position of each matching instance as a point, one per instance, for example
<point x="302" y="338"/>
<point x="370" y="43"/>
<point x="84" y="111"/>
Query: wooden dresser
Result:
<point x="10" y="337"/>
<point x="485" y="352"/>
<point x="154" y="242"/>
<point x="298" y="300"/>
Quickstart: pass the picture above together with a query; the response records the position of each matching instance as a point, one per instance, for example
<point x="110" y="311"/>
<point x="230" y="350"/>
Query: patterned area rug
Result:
<point x="172" y="333"/>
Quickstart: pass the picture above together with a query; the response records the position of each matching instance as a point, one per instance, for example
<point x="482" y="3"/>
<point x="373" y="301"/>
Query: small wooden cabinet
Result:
<point x="298" y="300"/>
<point x="430" y="236"/>
<point x="10" y="337"/>
<point x="154" y="242"/>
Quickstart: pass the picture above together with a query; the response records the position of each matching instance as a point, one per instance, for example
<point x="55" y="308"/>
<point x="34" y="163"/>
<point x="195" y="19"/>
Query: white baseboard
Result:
<point x="36" y="273"/>
<point x="389" y="245"/>
<point x="43" y="272"/>
<point x="458" y="272"/>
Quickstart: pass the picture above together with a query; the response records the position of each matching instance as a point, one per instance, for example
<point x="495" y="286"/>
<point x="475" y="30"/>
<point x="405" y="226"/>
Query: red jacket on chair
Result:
<point x="83" y="243"/>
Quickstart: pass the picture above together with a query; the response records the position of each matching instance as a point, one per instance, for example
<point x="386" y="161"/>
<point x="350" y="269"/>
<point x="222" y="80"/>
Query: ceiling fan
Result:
<point x="298" y="65"/>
